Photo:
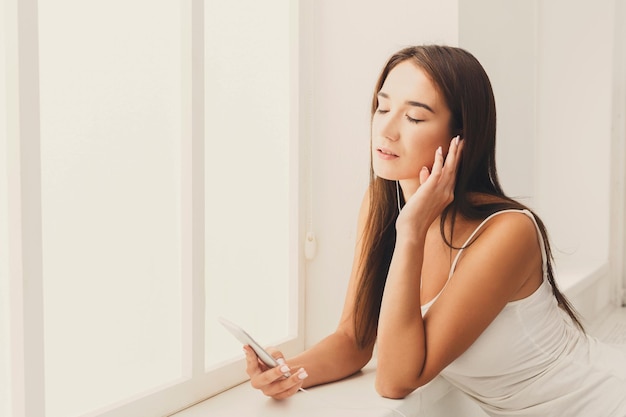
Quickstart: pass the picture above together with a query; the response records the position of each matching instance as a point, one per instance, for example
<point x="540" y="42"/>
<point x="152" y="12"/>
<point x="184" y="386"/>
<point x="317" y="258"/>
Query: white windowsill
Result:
<point x="352" y="396"/>
<point x="574" y="279"/>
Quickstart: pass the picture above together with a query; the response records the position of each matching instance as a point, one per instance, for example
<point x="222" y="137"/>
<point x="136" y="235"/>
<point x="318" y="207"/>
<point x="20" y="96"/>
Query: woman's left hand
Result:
<point x="435" y="192"/>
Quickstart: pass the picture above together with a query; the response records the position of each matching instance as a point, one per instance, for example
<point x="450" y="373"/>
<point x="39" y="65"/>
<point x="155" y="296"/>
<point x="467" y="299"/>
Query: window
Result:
<point x="157" y="188"/>
<point x="247" y="173"/>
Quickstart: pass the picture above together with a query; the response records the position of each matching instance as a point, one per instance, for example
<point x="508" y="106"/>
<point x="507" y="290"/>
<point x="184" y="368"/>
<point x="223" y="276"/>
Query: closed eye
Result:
<point x="412" y="120"/>
<point x="382" y="111"/>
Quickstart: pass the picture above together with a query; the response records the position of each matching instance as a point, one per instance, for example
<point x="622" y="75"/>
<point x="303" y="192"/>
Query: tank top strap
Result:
<point x="544" y="256"/>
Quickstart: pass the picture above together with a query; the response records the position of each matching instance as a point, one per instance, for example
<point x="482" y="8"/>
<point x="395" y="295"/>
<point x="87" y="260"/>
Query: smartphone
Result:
<point x="246" y="339"/>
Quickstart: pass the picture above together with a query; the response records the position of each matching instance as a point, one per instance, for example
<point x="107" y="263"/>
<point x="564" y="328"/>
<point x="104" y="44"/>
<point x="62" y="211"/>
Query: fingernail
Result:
<point x="281" y="361"/>
<point x="302" y="374"/>
<point x="439" y="151"/>
<point x="457" y="139"/>
<point x="284" y="369"/>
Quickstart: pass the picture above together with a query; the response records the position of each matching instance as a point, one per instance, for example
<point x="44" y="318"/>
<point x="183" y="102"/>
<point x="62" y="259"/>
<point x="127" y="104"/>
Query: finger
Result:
<point x="424" y="174"/>
<point x="438" y="164"/>
<point x="461" y="145"/>
<point x="270" y="378"/>
<point x="276" y="354"/>
<point x="253" y="365"/>
<point x="453" y="158"/>
<point x="453" y="152"/>
<point x="286" y="387"/>
<point x="287" y="393"/>
<point x="260" y="380"/>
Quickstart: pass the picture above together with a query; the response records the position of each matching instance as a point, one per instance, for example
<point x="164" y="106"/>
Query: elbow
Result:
<point x="397" y="385"/>
<point x="392" y="390"/>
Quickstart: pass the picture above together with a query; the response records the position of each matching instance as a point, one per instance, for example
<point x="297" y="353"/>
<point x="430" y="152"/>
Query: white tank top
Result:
<point x="532" y="360"/>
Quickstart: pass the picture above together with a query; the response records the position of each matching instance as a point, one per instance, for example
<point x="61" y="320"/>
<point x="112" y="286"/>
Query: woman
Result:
<point x="458" y="281"/>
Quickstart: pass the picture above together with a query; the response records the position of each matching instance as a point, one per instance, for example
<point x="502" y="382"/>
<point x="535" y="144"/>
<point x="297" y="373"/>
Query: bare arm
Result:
<point x="413" y="349"/>
<point x="401" y="329"/>
<point x="333" y="358"/>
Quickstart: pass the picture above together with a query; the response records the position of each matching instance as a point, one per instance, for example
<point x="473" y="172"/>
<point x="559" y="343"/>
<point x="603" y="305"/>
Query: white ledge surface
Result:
<point x="353" y="396"/>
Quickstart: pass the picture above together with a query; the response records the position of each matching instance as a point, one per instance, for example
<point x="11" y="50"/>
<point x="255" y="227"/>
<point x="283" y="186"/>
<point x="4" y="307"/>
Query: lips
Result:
<point x="385" y="153"/>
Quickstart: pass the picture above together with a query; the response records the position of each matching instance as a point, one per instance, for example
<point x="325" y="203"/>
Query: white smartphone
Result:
<point x="246" y="339"/>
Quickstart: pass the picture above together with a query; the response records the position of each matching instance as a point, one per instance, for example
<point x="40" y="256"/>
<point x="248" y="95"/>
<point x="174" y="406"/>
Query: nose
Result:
<point x="387" y="127"/>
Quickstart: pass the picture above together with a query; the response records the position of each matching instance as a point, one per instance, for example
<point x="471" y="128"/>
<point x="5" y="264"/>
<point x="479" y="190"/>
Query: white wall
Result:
<point x="342" y="53"/>
<point x="503" y="40"/>
<point x="554" y="88"/>
<point x="574" y="129"/>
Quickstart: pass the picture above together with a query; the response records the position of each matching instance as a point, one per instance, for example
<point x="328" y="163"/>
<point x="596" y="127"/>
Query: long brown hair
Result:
<point x="467" y="91"/>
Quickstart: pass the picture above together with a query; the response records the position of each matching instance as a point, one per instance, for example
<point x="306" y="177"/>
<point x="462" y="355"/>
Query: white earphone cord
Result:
<point x="398" y="195"/>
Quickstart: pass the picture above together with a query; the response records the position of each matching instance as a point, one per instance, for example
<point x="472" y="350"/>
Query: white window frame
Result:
<point x="26" y="325"/>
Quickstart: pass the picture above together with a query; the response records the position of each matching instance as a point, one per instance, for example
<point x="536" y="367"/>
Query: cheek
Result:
<point x="423" y="148"/>
<point x="434" y="137"/>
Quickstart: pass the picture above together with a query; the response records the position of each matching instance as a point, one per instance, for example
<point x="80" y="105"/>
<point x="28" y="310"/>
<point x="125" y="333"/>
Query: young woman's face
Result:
<point x="410" y="123"/>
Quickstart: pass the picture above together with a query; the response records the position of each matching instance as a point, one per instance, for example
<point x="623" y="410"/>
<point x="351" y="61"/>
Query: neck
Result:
<point x="409" y="187"/>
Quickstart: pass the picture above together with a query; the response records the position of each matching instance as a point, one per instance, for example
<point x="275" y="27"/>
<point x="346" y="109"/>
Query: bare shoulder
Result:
<point x="507" y="250"/>
<point x="513" y="227"/>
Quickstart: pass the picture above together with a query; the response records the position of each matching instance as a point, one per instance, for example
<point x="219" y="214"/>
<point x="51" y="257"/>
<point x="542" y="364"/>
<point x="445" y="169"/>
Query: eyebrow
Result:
<point x="410" y="102"/>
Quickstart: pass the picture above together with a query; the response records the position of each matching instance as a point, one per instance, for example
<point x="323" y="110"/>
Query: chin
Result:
<point x="386" y="176"/>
